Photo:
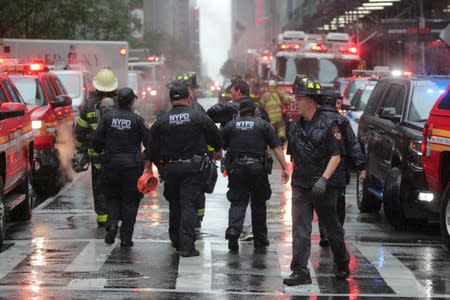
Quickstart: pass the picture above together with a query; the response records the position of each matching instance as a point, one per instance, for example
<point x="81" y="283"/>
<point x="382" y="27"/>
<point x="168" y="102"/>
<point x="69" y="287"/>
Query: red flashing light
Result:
<point x="350" y="50"/>
<point x="289" y="46"/>
<point x="319" y="48"/>
<point x="407" y="73"/>
<point x="123" y="51"/>
<point x="267" y="57"/>
<point x="153" y="58"/>
<point x="36" y="67"/>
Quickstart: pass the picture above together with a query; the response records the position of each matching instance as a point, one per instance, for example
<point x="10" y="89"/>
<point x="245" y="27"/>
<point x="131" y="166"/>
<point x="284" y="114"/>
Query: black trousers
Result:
<point x="248" y="182"/>
<point x="303" y="205"/>
<point x="98" y="191"/>
<point x="340" y="208"/>
<point x="182" y="188"/>
<point x="123" y="197"/>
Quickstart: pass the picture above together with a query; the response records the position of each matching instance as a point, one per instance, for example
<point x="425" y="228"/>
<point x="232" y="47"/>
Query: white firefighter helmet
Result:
<point x="105" y="80"/>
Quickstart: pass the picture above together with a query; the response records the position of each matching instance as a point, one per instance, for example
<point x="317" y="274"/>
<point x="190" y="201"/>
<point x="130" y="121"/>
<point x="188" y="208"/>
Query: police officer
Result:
<point x="352" y="155"/>
<point x="315" y="146"/>
<point x="225" y="112"/>
<point x="119" y="136"/>
<point x="179" y="142"/>
<point x="105" y="84"/>
<point x="190" y="80"/>
<point x="246" y="140"/>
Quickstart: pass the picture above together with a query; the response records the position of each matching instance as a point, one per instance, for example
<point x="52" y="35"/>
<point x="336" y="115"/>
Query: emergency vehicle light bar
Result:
<point x="289" y="47"/>
<point x="24" y="68"/>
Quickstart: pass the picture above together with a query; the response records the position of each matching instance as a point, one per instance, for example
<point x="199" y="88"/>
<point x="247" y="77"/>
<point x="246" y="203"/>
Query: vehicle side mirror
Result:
<point x="11" y="110"/>
<point x="388" y="113"/>
<point x="62" y="100"/>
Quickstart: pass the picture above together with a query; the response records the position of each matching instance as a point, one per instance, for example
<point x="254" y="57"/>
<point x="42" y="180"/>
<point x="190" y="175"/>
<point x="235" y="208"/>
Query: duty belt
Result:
<point x="249" y="159"/>
<point x="188" y="160"/>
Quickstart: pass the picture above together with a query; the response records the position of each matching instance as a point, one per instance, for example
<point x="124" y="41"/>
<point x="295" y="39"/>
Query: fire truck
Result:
<point x="75" y="54"/>
<point x="323" y="57"/>
<point x="52" y="123"/>
<point x="154" y="71"/>
<point x="16" y="156"/>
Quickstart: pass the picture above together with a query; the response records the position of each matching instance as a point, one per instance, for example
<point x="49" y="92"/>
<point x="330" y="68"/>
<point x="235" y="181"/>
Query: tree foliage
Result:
<point x="66" y="19"/>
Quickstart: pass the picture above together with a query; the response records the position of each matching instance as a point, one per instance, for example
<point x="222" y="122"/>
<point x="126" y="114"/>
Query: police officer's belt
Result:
<point x="194" y="159"/>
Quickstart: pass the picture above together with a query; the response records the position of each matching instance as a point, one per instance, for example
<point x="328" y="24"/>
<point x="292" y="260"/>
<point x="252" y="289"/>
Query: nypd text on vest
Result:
<point x="121" y="124"/>
<point x="179" y="118"/>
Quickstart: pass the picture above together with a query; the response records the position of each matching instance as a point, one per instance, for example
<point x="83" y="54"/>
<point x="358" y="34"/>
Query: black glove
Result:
<point x="320" y="186"/>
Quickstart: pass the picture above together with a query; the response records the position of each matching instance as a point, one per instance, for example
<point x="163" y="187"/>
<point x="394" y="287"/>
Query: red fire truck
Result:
<point x="52" y="123"/>
<point x="16" y="156"/>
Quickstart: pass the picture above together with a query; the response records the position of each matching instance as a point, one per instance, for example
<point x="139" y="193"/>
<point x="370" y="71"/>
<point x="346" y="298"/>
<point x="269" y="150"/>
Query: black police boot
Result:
<point x="126" y="244"/>
<point x="298" y="278"/>
<point x="324" y="243"/>
<point x="233" y="243"/>
<point x="261" y="243"/>
<point x="190" y="253"/>
<point x="342" y="272"/>
<point x="111" y="235"/>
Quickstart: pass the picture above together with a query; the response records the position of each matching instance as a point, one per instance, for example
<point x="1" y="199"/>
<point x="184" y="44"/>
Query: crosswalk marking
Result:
<point x="395" y="274"/>
<point x="91" y="258"/>
<point x="10" y="258"/>
<point x="194" y="273"/>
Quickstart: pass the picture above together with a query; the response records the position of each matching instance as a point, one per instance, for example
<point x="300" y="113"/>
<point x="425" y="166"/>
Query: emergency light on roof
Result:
<point x="25" y="68"/>
<point x="349" y="50"/>
<point x="289" y="47"/>
<point x="319" y="48"/>
<point x="153" y="58"/>
<point x="267" y="57"/>
<point x="123" y="51"/>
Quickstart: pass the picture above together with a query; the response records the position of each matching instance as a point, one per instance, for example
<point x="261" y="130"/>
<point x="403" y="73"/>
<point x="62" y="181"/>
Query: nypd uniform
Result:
<point x="246" y="140"/>
<point x="120" y="135"/>
<point x="179" y="142"/>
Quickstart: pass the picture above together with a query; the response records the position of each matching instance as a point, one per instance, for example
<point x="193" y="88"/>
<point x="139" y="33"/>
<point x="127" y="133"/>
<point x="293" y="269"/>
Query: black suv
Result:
<point x="390" y="131"/>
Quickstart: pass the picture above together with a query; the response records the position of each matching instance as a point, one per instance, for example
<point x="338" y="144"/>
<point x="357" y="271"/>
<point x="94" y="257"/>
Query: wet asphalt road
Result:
<point x="60" y="254"/>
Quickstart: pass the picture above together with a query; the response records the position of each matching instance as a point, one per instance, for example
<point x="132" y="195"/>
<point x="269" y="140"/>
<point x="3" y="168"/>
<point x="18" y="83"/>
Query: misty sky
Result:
<point x="215" y="36"/>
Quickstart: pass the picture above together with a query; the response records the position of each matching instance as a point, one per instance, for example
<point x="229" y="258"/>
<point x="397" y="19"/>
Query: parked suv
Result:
<point x="436" y="159"/>
<point x="16" y="156"/>
<point x="390" y="131"/>
<point x="52" y="122"/>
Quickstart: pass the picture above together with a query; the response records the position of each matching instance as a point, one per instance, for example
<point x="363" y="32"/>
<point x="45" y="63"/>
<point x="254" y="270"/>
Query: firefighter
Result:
<point x="352" y="155"/>
<point x="105" y="84"/>
<point x="315" y="146"/>
<point x="179" y="142"/>
<point x="119" y="136"/>
<point x="246" y="139"/>
<point x="272" y="101"/>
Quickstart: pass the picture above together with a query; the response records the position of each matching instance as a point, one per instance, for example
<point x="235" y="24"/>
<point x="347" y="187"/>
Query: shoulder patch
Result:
<point x="336" y="132"/>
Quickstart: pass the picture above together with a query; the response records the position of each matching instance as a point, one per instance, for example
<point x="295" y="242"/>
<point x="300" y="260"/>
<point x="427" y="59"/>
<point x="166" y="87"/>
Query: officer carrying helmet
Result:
<point x="105" y="84"/>
<point x="315" y="147"/>
<point x="119" y="136"/>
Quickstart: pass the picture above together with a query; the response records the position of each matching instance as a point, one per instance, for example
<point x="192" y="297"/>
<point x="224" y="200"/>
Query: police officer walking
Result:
<point x="246" y="140"/>
<point x="315" y="146"/>
<point x="179" y="142"/>
<point x="351" y="157"/>
<point x="119" y="136"/>
<point x="105" y="84"/>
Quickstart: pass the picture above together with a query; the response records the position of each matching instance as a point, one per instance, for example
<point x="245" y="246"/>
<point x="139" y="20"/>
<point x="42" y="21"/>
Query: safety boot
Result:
<point x="298" y="278"/>
<point x="111" y="235"/>
<point x="342" y="272"/>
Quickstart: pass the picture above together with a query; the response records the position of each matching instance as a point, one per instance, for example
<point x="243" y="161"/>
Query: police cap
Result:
<point x="178" y="91"/>
<point x="247" y="105"/>
<point x="125" y="96"/>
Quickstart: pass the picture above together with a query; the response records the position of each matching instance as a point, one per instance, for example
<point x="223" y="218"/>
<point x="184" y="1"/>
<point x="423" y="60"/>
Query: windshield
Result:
<point x="132" y="81"/>
<point x="72" y="84"/>
<point x="356" y="84"/>
<point x="324" y="70"/>
<point x="423" y="99"/>
<point x="361" y="102"/>
<point x="30" y="90"/>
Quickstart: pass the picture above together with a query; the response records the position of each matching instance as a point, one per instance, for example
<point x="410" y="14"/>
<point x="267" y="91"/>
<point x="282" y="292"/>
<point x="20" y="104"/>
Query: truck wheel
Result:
<point x="392" y="200"/>
<point x="2" y="213"/>
<point x="23" y="211"/>
<point x="366" y="202"/>
<point x="445" y="217"/>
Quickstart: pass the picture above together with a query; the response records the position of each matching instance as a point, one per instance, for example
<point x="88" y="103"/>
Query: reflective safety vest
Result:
<point x="272" y="103"/>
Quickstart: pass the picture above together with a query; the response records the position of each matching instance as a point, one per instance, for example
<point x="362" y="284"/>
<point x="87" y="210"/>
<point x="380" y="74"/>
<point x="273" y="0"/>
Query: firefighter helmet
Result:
<point x="188" y="78"/>
<point x="80" y="161"/>
<point x="329" y="97"/>
<point x="305" y="86"/>
<point x="147" y="182"/>
<point x="105" y="80"/>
